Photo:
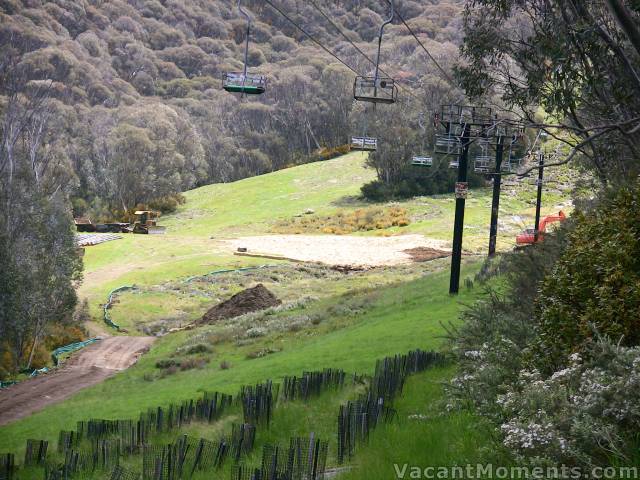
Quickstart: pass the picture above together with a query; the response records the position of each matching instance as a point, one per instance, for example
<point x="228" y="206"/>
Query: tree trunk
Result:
<point x="623" y="16"/>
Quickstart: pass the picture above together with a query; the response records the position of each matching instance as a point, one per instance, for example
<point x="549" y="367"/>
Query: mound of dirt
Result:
<point x="424" y="254"/>
<point x="249" y="300"/>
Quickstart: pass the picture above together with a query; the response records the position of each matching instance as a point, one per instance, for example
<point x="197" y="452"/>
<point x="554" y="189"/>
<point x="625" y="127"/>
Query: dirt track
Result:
<point x="91" y="365"/>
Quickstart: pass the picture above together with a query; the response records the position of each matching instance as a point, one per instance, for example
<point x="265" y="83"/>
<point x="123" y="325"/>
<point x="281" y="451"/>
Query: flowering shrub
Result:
<point x="595" y="285"/>
<point x="554" y="359"/>
<point x="585" y="414"/>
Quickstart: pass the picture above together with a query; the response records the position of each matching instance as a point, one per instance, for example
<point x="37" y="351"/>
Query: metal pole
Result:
<point x="381" y="31"/>
<point x="495" y="203"/>
<point x="456" y="254"/>
<point x="539" y="199"/>
<point x="246" y="44"/>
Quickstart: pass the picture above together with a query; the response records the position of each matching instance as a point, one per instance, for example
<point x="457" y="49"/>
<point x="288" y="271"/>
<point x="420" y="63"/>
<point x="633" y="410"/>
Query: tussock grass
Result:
<point x="344" y="222"/>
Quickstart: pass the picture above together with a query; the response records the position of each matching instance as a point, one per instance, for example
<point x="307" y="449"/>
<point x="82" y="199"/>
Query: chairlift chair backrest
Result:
<point x="463" y="114"/>
<point x="447" y="144"/>
<point x="377" y="89"/>
<point x="368" y="144"/>
<point x="422" y="161"/>
<point x="251" y="84"/>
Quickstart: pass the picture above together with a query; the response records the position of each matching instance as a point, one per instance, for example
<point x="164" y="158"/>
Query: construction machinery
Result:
<point x="146" y="223"/>
<point x="528" y="237"/>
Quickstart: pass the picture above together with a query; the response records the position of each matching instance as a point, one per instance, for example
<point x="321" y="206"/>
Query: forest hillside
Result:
<point x="137" y="85"/>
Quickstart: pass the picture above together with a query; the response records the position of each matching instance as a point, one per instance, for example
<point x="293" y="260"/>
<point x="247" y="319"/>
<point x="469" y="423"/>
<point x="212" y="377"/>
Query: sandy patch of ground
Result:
<point x="341" y="249"/>
<point x="91" y="365"/>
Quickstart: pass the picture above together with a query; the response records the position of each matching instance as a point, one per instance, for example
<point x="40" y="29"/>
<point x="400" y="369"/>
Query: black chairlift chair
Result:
<point x="377" y="89"/>
<point x="365" y="144"/>
<point x="243" y="82"/>
<point x="448" y="144"/>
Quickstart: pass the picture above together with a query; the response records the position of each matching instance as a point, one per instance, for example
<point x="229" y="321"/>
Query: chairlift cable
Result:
<point x="442" y="70"/>
<point x="386" y="22"/>
<point x="246" y="44"/>
<point x="358" y="49"/>
<point x="311" y="37"/>
<point x="243" y="82"/>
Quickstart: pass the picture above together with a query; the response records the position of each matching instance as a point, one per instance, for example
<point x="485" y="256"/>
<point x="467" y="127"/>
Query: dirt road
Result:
<point x="91" y="365"/>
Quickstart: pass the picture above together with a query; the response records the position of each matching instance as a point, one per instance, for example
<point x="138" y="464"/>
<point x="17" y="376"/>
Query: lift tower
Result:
<point x="463" y="124"/>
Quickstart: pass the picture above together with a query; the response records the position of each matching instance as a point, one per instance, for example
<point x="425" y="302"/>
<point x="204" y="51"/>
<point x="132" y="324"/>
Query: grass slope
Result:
<point x="254" y="205"/>
<point x="400" y="318"/>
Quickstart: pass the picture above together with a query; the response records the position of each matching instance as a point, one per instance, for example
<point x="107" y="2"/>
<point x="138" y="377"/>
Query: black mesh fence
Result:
<point x="242" y="438"/>
<point x="303" y="459"/>
<point x="241" y="472"/>
<point x="212" y="405"/>
<point x="36" y="452"/>
<point x="311" y="384"/>
<point x="165" y="462"/>
<point x="67" y="440"/>
<point x="74" y="462"/>
<point x="185" y="457"/>
<point x="357" y="418"/>
<point x="209" y="455"/>
<point x="258" y="402"/>
<point x="7" y="466"/>
<point x="392" y="372"/>
<point x="120" y="473"/>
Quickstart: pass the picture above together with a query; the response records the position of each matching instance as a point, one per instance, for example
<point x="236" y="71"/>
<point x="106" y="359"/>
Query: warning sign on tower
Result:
<point x="462" y="189"/>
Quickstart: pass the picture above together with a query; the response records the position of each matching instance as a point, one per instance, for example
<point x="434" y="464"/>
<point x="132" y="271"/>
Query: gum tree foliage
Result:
<point x="551" y="356"/>
<point x="579" y="60"/>
<point x="40" y="263"/>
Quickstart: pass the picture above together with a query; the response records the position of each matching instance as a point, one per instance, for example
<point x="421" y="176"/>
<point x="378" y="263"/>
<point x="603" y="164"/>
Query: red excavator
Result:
<point x="528" y="237"/>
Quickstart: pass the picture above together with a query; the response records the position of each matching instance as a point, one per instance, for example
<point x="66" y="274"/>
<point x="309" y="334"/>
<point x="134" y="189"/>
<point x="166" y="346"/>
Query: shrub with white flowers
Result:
<point x="585" y="414"/>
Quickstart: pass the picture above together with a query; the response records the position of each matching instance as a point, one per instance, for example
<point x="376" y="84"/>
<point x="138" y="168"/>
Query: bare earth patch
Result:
<point x="342" y="249"/>
<point x="91" y="365"/>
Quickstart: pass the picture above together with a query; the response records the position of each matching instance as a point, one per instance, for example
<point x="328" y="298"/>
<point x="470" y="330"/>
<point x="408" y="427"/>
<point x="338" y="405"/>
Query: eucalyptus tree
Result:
<point x="579" y="60"/>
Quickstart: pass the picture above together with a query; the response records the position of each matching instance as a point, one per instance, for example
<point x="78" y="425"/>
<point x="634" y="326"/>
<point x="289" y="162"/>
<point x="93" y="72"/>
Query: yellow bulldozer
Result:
<point x="146" y="223"/>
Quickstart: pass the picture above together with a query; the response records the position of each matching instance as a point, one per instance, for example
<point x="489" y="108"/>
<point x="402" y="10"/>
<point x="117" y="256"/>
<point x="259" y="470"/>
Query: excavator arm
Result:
<point x="528" y="237"/>
<point x="559" y="217"/>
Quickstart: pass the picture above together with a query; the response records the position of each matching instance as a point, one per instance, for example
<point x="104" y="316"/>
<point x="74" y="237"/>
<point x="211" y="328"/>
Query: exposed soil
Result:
<point x="343" y="250"/>
<point x="89" y="366"/>
<point x="424" y="254"/>
<point x="249" y="300"/>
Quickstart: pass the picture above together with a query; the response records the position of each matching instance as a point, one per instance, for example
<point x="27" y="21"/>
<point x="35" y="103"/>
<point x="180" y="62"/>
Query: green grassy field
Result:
<point x="393" y="320"/>
<point x="192" y="245"/>
<point x="328" y="319"/>
<point x="363" y="326"/>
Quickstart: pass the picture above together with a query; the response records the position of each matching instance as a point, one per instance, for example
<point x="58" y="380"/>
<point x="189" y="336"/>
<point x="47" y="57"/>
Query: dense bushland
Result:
<point x="40" y="264"/>
<point x="553" y="356"/>
<point x="135" y="86"/>
<point x="594" y="288"/>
